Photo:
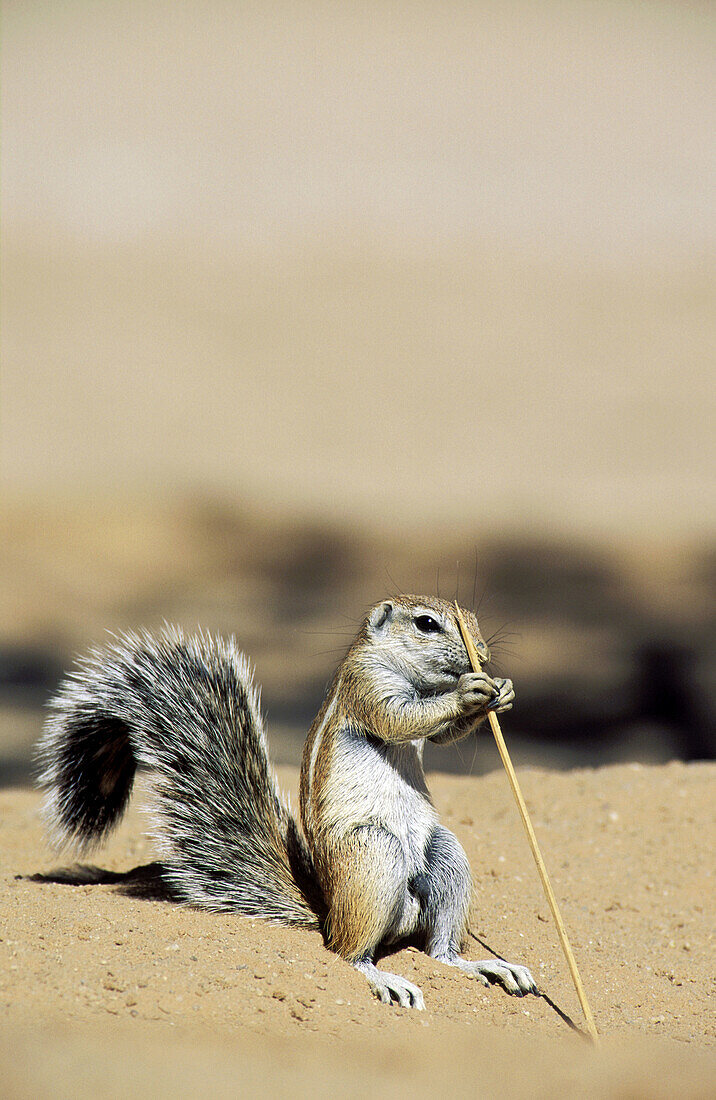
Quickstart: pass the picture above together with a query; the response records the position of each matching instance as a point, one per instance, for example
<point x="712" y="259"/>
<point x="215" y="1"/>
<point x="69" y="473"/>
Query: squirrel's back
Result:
<point x="187" y="710"/>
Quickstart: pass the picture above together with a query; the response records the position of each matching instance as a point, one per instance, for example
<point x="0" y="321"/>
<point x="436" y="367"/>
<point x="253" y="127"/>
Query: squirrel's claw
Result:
<point x="513" y="978"/>
<point x="503" y="697"/>
<point x="391" y="987"/>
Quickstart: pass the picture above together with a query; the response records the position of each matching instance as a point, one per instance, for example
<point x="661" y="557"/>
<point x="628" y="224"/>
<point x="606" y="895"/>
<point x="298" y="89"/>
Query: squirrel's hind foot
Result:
<point x="390" y="987"/>
<point x="513" y="978"/>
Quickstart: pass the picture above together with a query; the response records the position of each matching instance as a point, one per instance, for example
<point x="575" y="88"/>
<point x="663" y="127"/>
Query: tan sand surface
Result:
<point x="106" y="993"/>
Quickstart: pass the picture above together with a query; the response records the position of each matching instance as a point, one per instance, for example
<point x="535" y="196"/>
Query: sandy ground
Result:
<point x="105" y="993"/>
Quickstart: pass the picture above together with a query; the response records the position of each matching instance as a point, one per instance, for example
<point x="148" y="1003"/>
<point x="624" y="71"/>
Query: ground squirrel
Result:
<point x="371" y="864"/>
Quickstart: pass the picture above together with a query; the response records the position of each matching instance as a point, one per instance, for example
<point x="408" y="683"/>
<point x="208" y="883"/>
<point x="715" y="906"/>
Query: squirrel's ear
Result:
<point x="380" y="616"/>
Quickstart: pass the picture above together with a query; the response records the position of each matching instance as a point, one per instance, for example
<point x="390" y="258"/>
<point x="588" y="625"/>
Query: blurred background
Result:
<point x="304" y="304"/>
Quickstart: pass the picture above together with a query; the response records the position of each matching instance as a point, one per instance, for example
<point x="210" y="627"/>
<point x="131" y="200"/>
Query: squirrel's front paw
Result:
<point x="505" y="696"/>
<point x="476" y="690"/>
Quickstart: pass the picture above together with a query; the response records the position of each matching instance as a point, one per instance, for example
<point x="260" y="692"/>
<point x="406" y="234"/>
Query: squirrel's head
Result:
<point x="419" y="636"/>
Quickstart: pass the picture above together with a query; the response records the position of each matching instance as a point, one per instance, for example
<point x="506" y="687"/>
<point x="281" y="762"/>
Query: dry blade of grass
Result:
<point x="546" y="884"/>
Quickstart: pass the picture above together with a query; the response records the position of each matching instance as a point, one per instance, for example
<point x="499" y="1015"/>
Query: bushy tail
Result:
<point x="186" y="709"/>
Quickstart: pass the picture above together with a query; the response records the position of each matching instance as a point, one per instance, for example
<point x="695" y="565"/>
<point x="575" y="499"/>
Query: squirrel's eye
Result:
<point x="427" y="625"/>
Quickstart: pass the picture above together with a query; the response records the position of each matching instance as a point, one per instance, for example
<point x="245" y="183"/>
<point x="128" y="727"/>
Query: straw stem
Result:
<point x="546" y="885"/>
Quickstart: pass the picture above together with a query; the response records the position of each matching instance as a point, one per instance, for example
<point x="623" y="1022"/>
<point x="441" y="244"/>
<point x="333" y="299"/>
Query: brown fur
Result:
<point x="354" y="919"/>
